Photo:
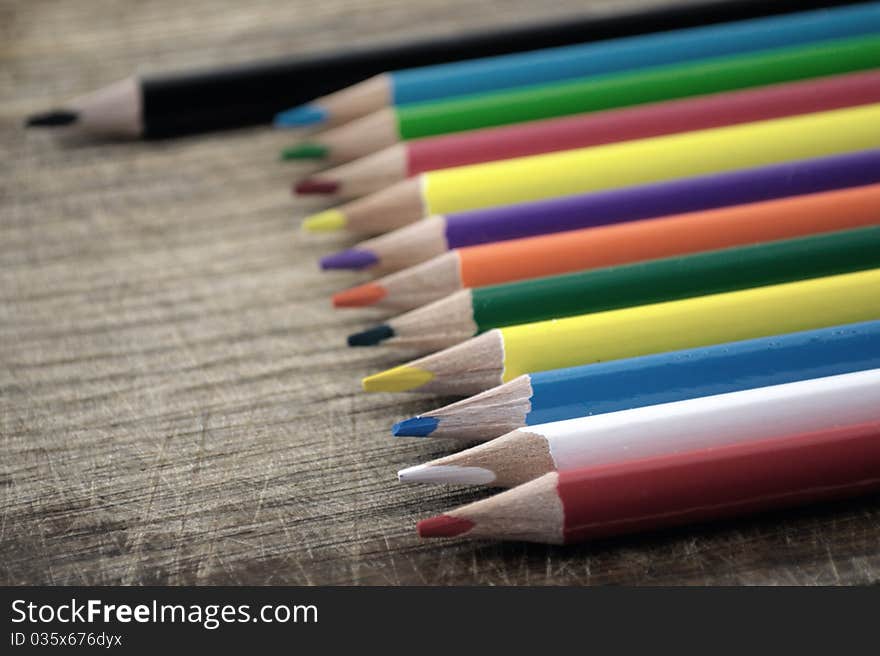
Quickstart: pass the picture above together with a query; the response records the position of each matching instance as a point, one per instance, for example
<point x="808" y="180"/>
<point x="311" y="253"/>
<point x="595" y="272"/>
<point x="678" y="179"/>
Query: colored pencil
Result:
<point x="388" y="127"/>
<point x="607" y="167"/>
<point x="704" y="422"/>
<point x="616" y="244"/>
<point x="594" y="389"/>
<point x="467" y="313"/>
<point x="435" y="235"/>
<point x="502" y="354"/>
<point x="664" y="491"/>
<point x="474" y="76"/>
<point x="251" y="94"/>
<point x="375" y="172"/>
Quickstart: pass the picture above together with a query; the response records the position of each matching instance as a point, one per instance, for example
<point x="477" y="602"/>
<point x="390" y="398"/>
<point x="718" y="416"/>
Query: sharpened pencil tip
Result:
<point x="315" y="186"/>
<point x="360" y="296"/>
<point x="302" y="116"/>
<point x="307" y="150"/>
<point x="51" y="119"/>
<point x="415" y="427"/>
<point x="371" y="337"/>
<point x="404" y="378"/>
<point x="326" y="221"/>
<point x="353" y="258"/>
<point x="446" y="475"/>
<point x="443" y="526"/>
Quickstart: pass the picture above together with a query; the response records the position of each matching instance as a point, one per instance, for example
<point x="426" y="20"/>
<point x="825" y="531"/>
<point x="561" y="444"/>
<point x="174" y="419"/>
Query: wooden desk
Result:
<point x="176" y="403"/>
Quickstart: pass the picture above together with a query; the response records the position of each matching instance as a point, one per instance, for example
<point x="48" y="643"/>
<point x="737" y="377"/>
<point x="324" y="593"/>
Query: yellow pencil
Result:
<point x="606" y="167"/>
<point x="502" y="354"/>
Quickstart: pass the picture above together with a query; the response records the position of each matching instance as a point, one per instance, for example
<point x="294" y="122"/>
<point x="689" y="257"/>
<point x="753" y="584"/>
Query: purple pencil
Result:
<point x="437" y="234"/>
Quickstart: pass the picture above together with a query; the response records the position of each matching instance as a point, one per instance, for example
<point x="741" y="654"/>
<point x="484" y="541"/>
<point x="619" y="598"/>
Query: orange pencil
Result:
<point x="591" y="248"/>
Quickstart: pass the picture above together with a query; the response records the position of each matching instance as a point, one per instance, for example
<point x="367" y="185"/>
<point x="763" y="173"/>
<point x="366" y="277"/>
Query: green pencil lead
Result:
<point x="304" y="151"/>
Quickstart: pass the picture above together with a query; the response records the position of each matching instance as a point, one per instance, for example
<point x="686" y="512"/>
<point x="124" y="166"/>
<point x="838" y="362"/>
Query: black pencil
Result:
<point x="167" y="106"/>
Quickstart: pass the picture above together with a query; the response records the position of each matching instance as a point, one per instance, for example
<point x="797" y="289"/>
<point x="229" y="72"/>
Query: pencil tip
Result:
<point x="446" y="475"/>
<point x="360" y="296"/>
<point x="415" y="427"/>
<point x="302" y="116"/>
<point x="326" y="221"/>
<point x="352" y="258"/>
<point x="443" y="526"/>
<point x="404" y="378"/>
<point x="315" y="186"/>
<point x="306" y="150"/>
<point x="371" y="337"/>
<point x="51" y="119"/>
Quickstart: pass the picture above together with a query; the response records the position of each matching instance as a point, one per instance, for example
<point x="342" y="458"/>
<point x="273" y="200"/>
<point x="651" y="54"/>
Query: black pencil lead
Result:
<point x="372" y="336"/>
<point x="52" y="119"/>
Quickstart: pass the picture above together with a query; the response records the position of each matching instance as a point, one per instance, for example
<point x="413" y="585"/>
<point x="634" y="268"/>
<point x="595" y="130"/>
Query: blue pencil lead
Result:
<point x="415" y="427"/>
<point x="298" y="117"/>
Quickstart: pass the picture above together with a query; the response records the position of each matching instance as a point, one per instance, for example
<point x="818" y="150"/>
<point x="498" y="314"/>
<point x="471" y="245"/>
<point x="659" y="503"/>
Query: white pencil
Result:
<point x="756" y="414"/>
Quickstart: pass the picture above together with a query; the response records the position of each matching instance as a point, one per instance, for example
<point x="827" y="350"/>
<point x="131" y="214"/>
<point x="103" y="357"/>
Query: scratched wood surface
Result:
<point x="176" y="405"/>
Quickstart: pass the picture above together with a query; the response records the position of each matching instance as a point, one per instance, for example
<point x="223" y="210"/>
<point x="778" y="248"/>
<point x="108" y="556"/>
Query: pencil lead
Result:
<point x="305" y="115"/>
<point x="360" y="296"/>
<point x="51" y="119"/>
<point x="443" y="526"/>
<point x="399" y="379"/>
<point x="315" y="186"/>
<point x="352" y="258"/>
<point x="307" y="150"/>
<point x="415" y="427"/>
<point x="371" y="337"/>
<point x="326" y="221"/>
<point x="446" y="475"/>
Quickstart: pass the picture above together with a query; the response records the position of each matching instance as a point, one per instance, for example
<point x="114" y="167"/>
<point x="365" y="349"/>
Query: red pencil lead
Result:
<point x="443" y="526"/>
<point x="316" y="186"/>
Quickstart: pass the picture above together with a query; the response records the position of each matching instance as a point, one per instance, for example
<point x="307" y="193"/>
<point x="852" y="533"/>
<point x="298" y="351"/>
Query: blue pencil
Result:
<point x="635" y="382"/>
<point x="478" y="76"/>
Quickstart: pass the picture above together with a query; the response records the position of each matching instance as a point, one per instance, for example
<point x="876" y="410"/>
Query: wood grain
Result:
<point x="176" y="405"/>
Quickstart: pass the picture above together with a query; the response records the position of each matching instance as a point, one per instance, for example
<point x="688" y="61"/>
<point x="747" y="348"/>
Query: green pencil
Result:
<point x="392" y="125"/>
<point x="469" y="312"/>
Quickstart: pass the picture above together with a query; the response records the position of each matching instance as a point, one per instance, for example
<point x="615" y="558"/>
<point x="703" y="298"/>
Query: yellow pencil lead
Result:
<point x="399" y="379"/>
<point x="326" y="221"/>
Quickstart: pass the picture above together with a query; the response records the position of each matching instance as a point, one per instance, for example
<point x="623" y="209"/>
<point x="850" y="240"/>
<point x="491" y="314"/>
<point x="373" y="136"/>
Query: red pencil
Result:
<point x="407" y="159"/>
<point x="653" y="493"/>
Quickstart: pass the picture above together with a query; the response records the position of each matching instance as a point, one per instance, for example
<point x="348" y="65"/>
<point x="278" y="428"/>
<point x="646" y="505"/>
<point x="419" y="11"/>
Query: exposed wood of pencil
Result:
<point x="531" y="512"/>
<point x="475" y="365"/>
<point x="415" y="286"/>
<point x="409" y="245"/>
<point x="367" y="174"/>
<point x="357" y="100"/>
<point x="115" y="110"/>
<point x="435" y="326"/>
<point x="486" y="415"/>
<point x="386" y="210"/>
<point x="517" y="456"/>
<point x="359" y="137"/>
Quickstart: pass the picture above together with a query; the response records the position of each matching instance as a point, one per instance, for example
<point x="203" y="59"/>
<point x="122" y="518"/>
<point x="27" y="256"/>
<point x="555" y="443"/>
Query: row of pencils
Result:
<point x="651" y="264"/>
<point x="645" y="249"/>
